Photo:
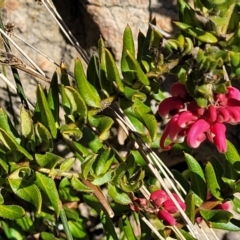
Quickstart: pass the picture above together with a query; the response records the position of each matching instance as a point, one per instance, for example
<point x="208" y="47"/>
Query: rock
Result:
<point x="89" y="20"/>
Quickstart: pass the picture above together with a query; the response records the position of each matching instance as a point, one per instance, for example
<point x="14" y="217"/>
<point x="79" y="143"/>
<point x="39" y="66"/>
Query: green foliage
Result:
<point x="39" y="183"/>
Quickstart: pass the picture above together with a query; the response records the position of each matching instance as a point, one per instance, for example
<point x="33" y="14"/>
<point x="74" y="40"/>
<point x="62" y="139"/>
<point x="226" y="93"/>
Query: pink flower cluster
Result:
<point x="195" y="124"/>
<point x="165" y="206"/>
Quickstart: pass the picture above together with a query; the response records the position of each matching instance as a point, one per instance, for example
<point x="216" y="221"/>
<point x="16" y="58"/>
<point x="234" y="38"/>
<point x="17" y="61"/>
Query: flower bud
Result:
<point x="158" y="197"/>
<point x="167" y="218"/>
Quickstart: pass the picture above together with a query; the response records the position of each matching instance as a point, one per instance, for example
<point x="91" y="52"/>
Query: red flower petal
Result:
<point x="158" y="197"/>
<point x="167" y="218"/>
<point x="179" y="89"/>
<point x="170" y="106"/>
<point x="196" y="134"/>
<point x="186" y="118"/>
<point x="217" y="131"/>
<point x="233" y="93"/>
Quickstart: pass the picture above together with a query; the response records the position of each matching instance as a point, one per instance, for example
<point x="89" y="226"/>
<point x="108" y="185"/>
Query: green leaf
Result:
<point x="108" y="226"/>
<point x="187" y="235"/>
<point x="86" y="90"/>
<point x="47" y="236"/>
<point x="112" y="71"/>
<point x="220" y="216"/>
<point x="87" y="165"/>
<point x="66" y="191"/>
<point x="47" y="117"/>
<point x="232" y="225"/>
<point x="118" y="196"/>
<point x="53" y="97"/>
<point x="128" y="45"/>
<point x="26" y="191"/>
<point x="11" y="212"/>
<point x="26" y="122"/>
<point x="232" y="154"/>
<point x="47" y="160"/>
<point x="236" y="204"/>
<point x="134" y="65"/>
<point x="77" y="229"/>
<point x="183" y="181"/>
<point x="107" y="177"/>
<point x="197" y="33"/>
<point x="198" y="182"/>
<point x="67" y="164"/>
<point x="47" y="185"/>
<point x="190" y="206"/>
<point x="104" y="162"/>
<point x="133" y="94"/>
<point x="126" y="227"/>
<point x="12" y="145"/>
<point x="104" y="125"/>
<point x="6" y="124"/>
<point x="212" y="182"/>
<point x="106" y="85"/>
<point x="77" y="104"/>
<point x="93" y="72"/>
<point x="79" y="186"/>
<point x="44" y="139"/>
<point x="25" y="223"/>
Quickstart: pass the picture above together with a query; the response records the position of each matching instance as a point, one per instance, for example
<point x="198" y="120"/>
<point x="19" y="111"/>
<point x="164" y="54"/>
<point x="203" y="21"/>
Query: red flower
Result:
<point x="188" y="120"/>
<point x="170" y="106"/>
<point x="196" y="134"/>
<point x="158" y="197"/>
<point x="167" y="218"/>
<point x="218" y="135"/>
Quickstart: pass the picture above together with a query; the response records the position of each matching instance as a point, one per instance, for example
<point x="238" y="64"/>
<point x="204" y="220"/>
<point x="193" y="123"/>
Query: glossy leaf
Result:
<point x="47" y="117"/>
<point x="79" y="186"/>
<point x="67" y="192"/>
<point x="77" y="104"/>
<point x="53" y="97"/>
<point x="232" y="154"/>
<point x="197" y="33"/>
<point x="104" y="162"/>
<point x="108" y="226"/>
<point x="47" y="185"/>
<point x="93" y="72"/>
<point x="212" y="182"/>
<point x="190" y="206"/>
<point x="67" y="164"/>
<point x="198" y="182"/>
<point x="183" y="181"/>
<point x="77" y="229"/>
<point x="48" y="160"/>
<point x="107" y="177"/>
<point x="87" y="165"/>
<point x="27" y="128"/>
<point x="5" y="124"/>
<point x="232" y="225"/>
<point x="11" y="212"/>
<point x="126" y="227"/>
<point x="134" y="65"/>
<point x="104" y="125"/>
<point x="12" y="145"/>
<point x="44" y="139"/>
<point x="236" y="204"/>
<point x="26" y="191"/>
<point x="220" y="216"/>
<point x="118" y="196"/>
<point x="128" y="45"/>
<point x="86" y="90"/>
<point x="112" y="71"/>
<point x="47" y="236"/>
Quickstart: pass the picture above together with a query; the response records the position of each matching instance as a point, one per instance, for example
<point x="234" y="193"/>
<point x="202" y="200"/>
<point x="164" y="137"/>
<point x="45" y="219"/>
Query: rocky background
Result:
<point x="87" y="20"/>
